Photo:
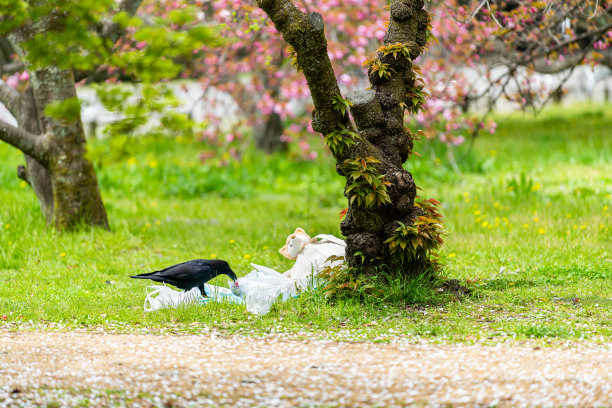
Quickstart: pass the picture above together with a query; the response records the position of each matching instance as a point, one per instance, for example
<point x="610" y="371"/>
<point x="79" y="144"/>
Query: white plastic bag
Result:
<point x="161" y="296"/>
<point x="312" y="258"/>
<point x="262" y="287"/>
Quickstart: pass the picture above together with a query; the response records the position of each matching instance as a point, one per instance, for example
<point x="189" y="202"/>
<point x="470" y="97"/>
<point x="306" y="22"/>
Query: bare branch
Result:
<point x="10" y="98"/>
<point x="566" y="43"/>
<point x="493" y="14"/>
<point x="472" y="14"/>
<point x="12" y="67"/>
<point x="26" y="142"/>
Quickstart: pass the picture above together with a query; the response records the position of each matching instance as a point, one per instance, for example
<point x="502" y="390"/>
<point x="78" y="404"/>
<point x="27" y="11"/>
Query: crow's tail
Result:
<point x="143" y="275"/>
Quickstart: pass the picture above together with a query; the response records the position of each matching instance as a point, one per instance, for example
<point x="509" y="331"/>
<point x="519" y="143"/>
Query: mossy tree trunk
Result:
<point x="381" y="193"/>
<point x="63" y="179"/>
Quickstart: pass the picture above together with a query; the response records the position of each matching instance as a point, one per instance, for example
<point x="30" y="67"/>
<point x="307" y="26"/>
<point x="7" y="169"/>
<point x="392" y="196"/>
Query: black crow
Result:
<point x="191" y="274"/>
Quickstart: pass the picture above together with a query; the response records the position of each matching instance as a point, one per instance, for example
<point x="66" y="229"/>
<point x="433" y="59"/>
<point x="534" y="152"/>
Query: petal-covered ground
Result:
<point x="47" y="368"/>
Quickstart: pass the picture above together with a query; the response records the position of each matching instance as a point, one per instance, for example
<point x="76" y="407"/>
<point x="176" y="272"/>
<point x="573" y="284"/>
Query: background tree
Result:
<point x="59" y="42"/>
<point x="384" y="224"/>
<point x="465" y="65"/>
<point x="490" y="50"/>
<point x="255" y="67"/>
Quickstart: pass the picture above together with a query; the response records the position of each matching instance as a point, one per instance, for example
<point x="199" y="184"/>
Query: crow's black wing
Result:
<point x="185" y="275"/>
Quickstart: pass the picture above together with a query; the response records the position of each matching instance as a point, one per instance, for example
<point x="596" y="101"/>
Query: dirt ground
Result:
<point x="56" y="369"/>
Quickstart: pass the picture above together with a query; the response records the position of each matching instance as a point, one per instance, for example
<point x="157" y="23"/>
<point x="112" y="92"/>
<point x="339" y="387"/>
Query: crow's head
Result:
<point x="225" y="269"/>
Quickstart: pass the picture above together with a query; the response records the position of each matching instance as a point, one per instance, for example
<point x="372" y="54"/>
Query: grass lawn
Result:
<point x="528" y="215"/>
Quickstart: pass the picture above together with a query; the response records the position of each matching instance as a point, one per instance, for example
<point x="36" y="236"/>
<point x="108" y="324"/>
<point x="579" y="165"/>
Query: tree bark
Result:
<point x="268" y="134"/>
<point x="76" y="195"/>
<point x="378" y="114"/>
<point x="34" y="173"/>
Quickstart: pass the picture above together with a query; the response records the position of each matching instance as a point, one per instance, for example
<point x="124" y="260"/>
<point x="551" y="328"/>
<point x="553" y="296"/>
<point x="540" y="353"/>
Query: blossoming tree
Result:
<point x="366" y="134"/>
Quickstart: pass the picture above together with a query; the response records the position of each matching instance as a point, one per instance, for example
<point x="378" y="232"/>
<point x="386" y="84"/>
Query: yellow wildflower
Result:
<point x="247" y="256"/>
<point x="232" y="241"/>
<point x="452" y="255"/>
<point x="541" y="231"/>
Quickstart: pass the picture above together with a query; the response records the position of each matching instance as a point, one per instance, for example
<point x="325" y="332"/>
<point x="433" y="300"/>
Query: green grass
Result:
<point x="528" y="215"/>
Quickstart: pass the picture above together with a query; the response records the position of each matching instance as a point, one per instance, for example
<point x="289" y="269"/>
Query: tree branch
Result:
<point x="305" y="33"/>
<point x="111" y="29"/>
<point x="10" y="98"/>
<point x="564" y="44"/>
<point x="28" y="143"/>
<point x="12" y="67"/>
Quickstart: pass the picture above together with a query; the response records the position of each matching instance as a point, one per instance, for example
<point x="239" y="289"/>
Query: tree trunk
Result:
<point x="63" y="180"/>
<point x="76" y="196"/>
<point x="268" y="134"/>
<point x="33" y="172"/>
<point x="381" y="193"/>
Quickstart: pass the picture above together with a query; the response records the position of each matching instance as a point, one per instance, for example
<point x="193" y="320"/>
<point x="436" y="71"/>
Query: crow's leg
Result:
<point x="202" y="291"/>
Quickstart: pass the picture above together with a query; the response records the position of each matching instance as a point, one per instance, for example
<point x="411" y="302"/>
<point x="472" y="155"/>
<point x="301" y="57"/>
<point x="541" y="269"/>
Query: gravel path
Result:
<point x="71" y="368"/>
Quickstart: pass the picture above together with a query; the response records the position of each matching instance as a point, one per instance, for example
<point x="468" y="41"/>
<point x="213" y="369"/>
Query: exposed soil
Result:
<point x="71" y="368"/>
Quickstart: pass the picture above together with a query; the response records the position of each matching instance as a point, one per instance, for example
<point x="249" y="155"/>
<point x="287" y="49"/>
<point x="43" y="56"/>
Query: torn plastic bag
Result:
<point x="262" y="287"/>
<point x="161" y="296"/>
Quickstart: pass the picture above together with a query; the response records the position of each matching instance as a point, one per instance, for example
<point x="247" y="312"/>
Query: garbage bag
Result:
<point x="162" y="296"/>
<point x="262" y="287"/>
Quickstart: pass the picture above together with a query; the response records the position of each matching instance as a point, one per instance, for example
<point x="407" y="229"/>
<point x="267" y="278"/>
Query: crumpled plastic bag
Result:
<point x="262" y="287"/>
<point x="162" y="296"/>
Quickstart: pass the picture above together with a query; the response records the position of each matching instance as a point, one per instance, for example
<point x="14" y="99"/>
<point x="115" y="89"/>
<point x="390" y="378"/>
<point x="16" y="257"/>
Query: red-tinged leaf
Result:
<point x="417" y="154"/>
<point x="433" y="201"/>
<point x="343" y="212"/>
